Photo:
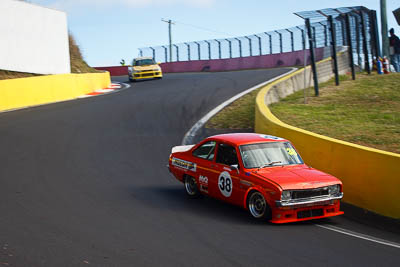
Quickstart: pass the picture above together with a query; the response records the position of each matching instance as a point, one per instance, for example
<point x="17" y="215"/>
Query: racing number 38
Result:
<point x="225" y="184"/>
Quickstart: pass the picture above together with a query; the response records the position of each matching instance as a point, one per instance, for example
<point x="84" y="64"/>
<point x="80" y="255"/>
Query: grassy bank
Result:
<point x="365" y="111"/>
<point x="78" y="64"/>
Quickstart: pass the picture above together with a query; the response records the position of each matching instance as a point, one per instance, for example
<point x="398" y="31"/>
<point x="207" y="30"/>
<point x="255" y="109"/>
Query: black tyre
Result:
<point x="191" y="187"/>
<point x="258" y="206"/>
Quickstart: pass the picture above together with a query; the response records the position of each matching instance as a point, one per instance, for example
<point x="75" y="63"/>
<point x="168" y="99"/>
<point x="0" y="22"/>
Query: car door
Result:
<point x="204" y="157"/>
<point x="225" y="182"/>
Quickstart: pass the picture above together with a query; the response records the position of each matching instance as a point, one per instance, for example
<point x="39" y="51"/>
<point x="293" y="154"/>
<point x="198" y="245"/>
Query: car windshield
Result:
<point x="269" y="154"/>
<point x="144" y="62"/>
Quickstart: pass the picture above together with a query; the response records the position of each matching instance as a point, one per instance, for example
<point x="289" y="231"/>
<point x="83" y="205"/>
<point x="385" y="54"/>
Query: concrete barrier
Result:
<point x="370" y="176"/>
<point x="18" y="93"/>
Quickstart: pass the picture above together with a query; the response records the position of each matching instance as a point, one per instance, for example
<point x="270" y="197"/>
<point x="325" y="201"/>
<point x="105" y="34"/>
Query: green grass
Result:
<point x="238" y="115"/>
<point x="365" y="111"/>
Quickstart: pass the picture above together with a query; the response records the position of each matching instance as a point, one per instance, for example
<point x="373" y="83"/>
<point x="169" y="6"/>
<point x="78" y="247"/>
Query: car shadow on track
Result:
<point x="174" y="198"/>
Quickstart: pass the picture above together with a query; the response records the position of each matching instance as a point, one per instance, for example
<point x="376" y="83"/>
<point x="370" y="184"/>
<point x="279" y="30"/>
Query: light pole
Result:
<point x="170" y="37"/>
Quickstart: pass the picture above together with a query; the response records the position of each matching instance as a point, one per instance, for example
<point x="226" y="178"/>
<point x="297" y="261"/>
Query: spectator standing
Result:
<point x="394" y="42"/>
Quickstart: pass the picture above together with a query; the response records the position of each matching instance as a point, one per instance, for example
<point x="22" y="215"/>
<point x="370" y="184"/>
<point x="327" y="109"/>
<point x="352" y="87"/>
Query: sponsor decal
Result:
<point x="225" y="184"/>
<point x="291" y="151"/>
<point x="203" y="180"/>
<point x="183" y="164"/>
<point x="270" y="137"/>
<point x="204" y="188"/>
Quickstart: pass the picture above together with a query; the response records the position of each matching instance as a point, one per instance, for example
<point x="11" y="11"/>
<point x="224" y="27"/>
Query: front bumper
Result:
<point x="146" y="75"/>
<point x="308" y="201"/>
<point x="306" y="212"/>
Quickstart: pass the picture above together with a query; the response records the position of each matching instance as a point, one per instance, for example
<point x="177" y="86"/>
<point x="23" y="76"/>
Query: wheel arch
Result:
<point x="256" y="189"/>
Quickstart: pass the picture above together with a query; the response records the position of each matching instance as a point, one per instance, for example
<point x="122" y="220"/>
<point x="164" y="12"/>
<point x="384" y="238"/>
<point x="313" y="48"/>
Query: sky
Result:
<point x="110" y="30"/>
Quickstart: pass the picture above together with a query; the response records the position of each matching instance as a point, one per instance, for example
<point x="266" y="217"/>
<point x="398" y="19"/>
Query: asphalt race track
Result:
<point x="85" y="183"/>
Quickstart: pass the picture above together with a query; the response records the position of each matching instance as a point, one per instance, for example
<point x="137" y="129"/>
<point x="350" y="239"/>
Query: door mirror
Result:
<point x="235" y="167"/>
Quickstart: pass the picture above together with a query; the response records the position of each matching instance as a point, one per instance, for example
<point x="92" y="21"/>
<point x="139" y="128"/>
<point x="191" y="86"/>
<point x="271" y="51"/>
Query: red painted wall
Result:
<point x="256" y="62"/>
<point x="115" y="71"/>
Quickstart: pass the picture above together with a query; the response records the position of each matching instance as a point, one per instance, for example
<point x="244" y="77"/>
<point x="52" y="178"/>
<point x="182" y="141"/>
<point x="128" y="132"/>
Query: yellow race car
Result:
<point x="144" y="68"/>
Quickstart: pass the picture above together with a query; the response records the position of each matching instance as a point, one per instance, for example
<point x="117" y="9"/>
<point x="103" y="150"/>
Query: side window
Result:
<point x="227" y="155"/>
<point x="205" y="151"/>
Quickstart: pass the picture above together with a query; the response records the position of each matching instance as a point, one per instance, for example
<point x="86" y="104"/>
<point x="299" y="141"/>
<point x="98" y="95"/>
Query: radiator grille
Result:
<point x="310" y="193"/>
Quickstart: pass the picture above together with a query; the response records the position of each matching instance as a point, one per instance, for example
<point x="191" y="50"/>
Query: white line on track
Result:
<point x="192" y="132"/>
<point x="360" y="236"/>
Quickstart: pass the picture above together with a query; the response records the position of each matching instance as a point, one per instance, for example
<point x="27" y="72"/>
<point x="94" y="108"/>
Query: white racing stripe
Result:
<point x="360" y="236"/>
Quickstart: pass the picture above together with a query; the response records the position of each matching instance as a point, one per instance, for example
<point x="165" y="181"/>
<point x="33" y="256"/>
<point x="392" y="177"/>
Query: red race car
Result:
<point x="262" y="173"/>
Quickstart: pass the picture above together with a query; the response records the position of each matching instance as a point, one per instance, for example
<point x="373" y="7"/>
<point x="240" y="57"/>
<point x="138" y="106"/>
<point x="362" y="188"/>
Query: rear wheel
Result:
<point x="191" y="187"/>
<point x="258" y="206"/>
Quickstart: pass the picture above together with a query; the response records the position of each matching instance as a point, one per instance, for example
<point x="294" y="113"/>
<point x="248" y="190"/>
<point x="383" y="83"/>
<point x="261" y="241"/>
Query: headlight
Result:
<point x="136" y="71"/>
<point x="286" y="195"/>
<point x="334" y="189"/>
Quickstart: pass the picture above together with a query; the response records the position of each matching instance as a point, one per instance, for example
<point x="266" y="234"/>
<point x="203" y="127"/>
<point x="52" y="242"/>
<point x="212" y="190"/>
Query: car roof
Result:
<point x="246" y="138"/>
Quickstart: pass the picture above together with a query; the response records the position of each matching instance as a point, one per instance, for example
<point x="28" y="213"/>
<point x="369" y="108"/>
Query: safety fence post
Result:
<point x="240" y="46"/>
<point x="343" y="26"/>
<point x="313" y="65"/>
<point x="303" y="37"/>
<point x="165" y="53"/>
<point x="230" y="47"/>
<point x="358" y="40"/>
<point x="219" y="48"/>
<point x="177" y="52"/>
<point x="154" y="52"/>
<point x="332" y="27"/>
<point x="314" y="36"/>
<point x="188" y="49"/>
<point x="291" y="39"/>
<point x="270" y="42"/>
<point x="259" y="44"/>
<point x="375" y="33"/>
<point x="250" y="46"/>
<point x="209" y="49"/>
<point x="365" y="43"/>
<point x="280" y="41"/>
<point x="198" y="49"/>
<point x="350" y="43"/>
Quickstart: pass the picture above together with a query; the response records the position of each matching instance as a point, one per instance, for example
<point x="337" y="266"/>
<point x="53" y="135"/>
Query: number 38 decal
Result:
<point x="225" y="184"/>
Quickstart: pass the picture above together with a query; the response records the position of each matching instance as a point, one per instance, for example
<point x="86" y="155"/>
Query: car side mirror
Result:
<point x="235" y="167"/>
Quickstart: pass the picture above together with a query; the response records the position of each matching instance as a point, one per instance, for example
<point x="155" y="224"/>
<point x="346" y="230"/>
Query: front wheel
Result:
<point x="258" y="206"/>
<point x="191" y="187"/>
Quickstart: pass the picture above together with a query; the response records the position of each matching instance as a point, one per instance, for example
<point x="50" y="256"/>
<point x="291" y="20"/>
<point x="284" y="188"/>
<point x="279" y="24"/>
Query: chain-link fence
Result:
<point x="362" y="39"/>
<point x="273" y="42"/>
